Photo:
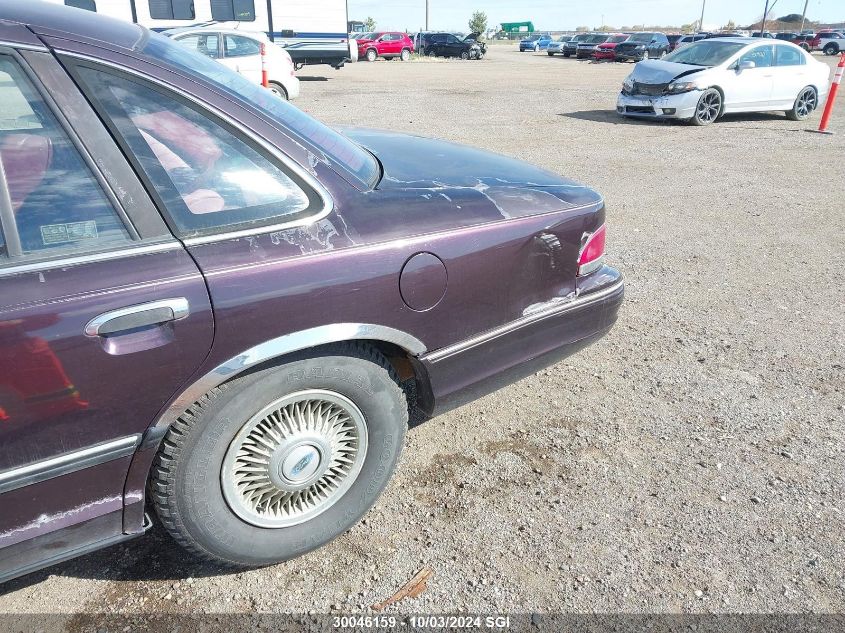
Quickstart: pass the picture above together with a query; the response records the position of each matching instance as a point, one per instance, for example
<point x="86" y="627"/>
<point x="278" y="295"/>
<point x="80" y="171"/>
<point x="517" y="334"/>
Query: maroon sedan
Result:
<point x="390" y="45"/>
<point x="213" y="303"/>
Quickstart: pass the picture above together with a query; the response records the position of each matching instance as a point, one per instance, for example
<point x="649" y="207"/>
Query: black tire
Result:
<point x="431" y="53"/>
<point x="709" y="107"/>
<point x="278" y="89"/>
<point x="405" y="55"/>
<point x="567" y="54"/>
<point x="187" y="477"/>
<point x="805" y="103"/>
<point x="371" y="55"/>
<point x="550" y="54"/>
<point x="830" y="49"/>
<point x="464" y="54"/>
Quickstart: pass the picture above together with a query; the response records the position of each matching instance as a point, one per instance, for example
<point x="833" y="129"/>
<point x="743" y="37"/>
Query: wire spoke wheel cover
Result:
<point x="294" y="459"/>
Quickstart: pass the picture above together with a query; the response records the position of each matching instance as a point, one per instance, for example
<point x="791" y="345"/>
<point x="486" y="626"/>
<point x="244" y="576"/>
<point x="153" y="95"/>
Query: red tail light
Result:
<point x="592" y="251"/>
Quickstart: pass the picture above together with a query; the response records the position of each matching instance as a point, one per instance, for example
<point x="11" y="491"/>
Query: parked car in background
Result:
<point x="570" y="47"/>
<point x="764" y="35"/>
<point x="230" y="329"/>
<point x="674" y="38"/>
<point x="643" y="46"/>
<point x="475" y="38"/>
<point x="448" y="45"/>
<point x="556" y="47"/>
<point x="535" y="43"/>
<point x="831" y="42"/>
<point x="386" y="44"/>
<point x="241" y="51"/>
<point x="689" y="39"/>
<point x="702" y="81"/>
<point x="807" y="41"/>
<point x="607" y="50"/>
<point x="587" y="47"/>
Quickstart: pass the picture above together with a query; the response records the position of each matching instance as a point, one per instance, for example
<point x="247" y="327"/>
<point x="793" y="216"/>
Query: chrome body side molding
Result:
<point x="533" y="314"/>
<point x="287" y="344"/>
<point x="65" y="463"/>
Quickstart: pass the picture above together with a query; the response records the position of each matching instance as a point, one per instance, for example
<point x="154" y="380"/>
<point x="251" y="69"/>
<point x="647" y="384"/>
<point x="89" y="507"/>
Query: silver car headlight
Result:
<point x="628" y="85"/>
<point x="640" y="47"/>
<point x="680" y="87"/>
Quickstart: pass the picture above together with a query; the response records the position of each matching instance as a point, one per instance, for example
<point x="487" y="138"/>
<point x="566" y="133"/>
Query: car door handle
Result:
<point x="141" y="315"/>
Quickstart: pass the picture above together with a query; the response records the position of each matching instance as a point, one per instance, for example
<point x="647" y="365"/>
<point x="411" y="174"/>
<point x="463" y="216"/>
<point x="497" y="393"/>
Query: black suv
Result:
<point x="642" y="46"/>
<point x="448" y="45"/>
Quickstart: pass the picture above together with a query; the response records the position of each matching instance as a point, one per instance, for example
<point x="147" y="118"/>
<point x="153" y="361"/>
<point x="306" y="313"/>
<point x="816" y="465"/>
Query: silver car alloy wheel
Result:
<point x="708" y="107"/>
<point x="294" y="459"/>
<point x="806" y="103"/>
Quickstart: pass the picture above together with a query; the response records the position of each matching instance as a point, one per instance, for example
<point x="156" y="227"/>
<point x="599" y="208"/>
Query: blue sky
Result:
<point x="562" y="14"/>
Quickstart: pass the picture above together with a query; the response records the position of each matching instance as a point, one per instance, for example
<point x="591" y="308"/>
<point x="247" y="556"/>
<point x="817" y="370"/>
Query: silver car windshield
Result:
<point x="705" y="53"/>
<point x="338" y="149"/>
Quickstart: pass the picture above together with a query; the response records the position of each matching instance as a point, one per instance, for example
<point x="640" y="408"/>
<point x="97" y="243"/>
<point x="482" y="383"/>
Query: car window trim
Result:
<point x="274" y="154"/>
<point x="14" y="250"/>
<point x="17" y="266"/>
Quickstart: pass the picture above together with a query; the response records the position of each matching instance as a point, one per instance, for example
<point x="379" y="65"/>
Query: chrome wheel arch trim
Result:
<point x="278" y="348"/>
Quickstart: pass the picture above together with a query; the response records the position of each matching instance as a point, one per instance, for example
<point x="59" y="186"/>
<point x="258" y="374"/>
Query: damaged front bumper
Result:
<point x="681" y="106"/>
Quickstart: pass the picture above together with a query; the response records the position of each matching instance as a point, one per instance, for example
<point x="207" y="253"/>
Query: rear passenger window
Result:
<point x="49" y="198"/>
<point x="204" y="43"/>
<point x="207" y="176"/>
<point x="788" y="56"/>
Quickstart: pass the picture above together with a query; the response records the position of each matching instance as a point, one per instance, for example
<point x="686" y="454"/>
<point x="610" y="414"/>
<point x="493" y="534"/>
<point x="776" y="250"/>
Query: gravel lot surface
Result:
<point x="692" y="461"/>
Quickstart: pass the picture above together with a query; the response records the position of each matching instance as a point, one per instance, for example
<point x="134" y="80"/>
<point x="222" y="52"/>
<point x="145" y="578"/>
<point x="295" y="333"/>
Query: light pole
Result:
<point x="701" y="21"/>
<point x="763" y="23"/>
<point x="765" y="16"/>
<point x="804" y="15"/>
<point x="426" y="15"/>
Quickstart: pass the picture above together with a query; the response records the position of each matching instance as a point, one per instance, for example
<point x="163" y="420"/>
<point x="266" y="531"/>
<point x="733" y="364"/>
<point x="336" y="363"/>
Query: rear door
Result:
<point x="790" y="75"/>
<point x="243" y="54"/>
<point x="103" y="315"/>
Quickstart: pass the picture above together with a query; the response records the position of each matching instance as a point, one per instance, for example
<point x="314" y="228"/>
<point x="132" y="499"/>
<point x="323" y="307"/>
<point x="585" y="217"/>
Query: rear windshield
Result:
<point x="338" y="150"/>
<point x="642" y="37"/>
<point x="596" y="39"/>
<point x="705" y="53"/>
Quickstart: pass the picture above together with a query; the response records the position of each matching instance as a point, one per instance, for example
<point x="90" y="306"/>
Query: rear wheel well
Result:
<point x="412" y="374"/>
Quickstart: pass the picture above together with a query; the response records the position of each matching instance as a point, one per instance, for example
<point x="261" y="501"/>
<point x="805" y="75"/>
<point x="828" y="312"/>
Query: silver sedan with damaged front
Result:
<point x="701" y="82"/>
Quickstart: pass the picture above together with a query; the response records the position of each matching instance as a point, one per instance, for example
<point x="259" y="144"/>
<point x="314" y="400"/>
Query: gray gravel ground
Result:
<point x="692" y="461"/>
